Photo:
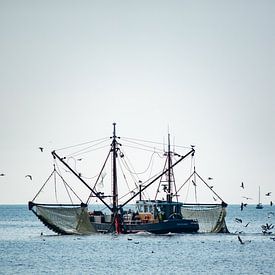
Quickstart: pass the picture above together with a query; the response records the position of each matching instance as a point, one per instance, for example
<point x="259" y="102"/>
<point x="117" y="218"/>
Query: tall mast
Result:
<point x="169" y="197"/>
<point x="259" y="194"/>
<point x="114" y="151"/>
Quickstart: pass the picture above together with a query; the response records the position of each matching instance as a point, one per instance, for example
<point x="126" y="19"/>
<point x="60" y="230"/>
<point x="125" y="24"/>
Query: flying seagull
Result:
<point x="247" y="198"/>
<point x="242" y="186"/>
<point x="209" y="178"/>
<point x="247" y="224"/>
<point x="2" y="175"/>
<point x="268" y="194"/>
<point x="28" y="176"/>
<point x="41" y="149"/>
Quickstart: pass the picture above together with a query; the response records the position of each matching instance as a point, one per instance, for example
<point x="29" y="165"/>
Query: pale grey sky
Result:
<point x="206" y="68"/>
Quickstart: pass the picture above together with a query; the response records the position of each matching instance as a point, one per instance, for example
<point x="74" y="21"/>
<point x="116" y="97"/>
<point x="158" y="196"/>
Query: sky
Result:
<point x="202" y="69"/>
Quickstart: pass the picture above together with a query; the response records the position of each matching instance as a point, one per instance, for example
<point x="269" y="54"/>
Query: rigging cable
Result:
<point x="80" y="144"/>
<point x="143" y="172"/>
<point x="68" y="185"/>
<point x="191" y="173"/>
<point x="147" y="141"/>
<point x="88" y="150"/>
<point x="141" y="145"/>
<point x="120" y="166"/>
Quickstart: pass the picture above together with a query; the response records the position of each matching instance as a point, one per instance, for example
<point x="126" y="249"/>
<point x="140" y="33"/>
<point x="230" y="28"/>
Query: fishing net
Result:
<point x="65" y="220"/>
<point x="211" y="218"/>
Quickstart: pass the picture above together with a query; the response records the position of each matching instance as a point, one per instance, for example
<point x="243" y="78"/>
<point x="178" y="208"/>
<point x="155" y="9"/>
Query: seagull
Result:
<point x="214" y="199"/>
<point x="41" y="149"/>
<point x="247" y="198"/>
<point x="240" y="240"/>
<point x="268" y="194"/>
<point x="238" y="220"/>
<point x="242" y="206"/>
<point x="2" y="175"/>
<point x="79" y="159"/>
<point x="209" y="178"/>
<point x="194" y="183"/>
<point x="242" y="186"/>
<point x="270" y="214"/>
<point x="247" y="224"/>
<point x="266" y="228"/>
<point x="28" y="176"/>
<point x="239" y="232"/>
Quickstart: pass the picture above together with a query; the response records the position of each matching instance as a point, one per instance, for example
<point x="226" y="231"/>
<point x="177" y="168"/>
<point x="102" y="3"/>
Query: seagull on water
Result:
<point x="243" y="242"/>
<point x="240" y="240"/>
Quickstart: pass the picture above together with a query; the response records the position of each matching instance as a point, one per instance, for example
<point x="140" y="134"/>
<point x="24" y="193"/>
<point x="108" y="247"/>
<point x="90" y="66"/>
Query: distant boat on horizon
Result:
<point x="259" y="205"/>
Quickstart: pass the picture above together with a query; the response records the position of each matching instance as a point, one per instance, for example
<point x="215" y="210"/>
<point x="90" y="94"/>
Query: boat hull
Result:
<point x="168" y="226"/>
<point x="259" y="206"/>
<point x="164" y="227"/>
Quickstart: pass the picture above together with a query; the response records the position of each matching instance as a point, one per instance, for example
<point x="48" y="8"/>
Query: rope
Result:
<point x="80" y="144"/>
<point x="153" y="142"/>
<point x="68" y="185"/>
<point x="43" y="185"/>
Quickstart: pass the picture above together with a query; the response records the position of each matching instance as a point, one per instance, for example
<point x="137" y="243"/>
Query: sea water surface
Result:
<point x="28" y="247"/>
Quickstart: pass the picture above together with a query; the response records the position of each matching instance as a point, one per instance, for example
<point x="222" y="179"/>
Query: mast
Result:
<point x="169" y="195"/>
<point x="158" y="177"/>
<point x="259" y="195"/>
<point x="114" y="151"/>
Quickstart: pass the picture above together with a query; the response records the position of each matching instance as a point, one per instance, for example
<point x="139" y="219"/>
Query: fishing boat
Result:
<point x="259" y="204"/>
<point x="158" y="216"/>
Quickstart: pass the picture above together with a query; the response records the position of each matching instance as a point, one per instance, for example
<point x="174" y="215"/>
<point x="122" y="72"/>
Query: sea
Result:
<point x="28" y="247"/>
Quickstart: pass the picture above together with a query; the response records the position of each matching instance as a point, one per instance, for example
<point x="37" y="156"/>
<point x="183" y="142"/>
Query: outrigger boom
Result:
<point x="155" y="216"/>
